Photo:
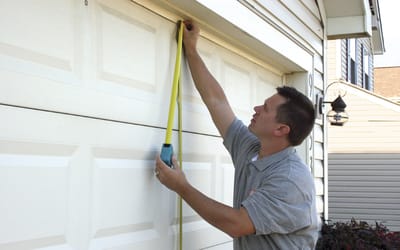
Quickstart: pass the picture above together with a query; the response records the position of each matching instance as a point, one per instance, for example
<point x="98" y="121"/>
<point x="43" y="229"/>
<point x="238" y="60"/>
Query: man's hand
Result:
<point x="235" y="222"/>
<point x="173" y="178"/>
<point x="191" y="32"/>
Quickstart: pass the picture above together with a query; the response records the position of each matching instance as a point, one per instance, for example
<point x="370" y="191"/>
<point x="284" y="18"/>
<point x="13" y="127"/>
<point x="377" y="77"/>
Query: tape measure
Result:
<point x="176" y="96"/>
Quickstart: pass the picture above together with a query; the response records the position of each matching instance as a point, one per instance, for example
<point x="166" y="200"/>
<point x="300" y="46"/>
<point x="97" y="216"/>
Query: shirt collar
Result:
<point x="263" y="163"/>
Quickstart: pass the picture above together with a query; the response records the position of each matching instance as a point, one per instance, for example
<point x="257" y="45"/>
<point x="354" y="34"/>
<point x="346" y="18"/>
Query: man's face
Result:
<point x="264" y="121"/>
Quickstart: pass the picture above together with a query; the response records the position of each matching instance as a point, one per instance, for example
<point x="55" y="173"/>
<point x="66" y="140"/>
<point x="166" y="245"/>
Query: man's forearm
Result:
<point x="211" y="92"/>
<point x="232" y="221"/>
<point x="208" y="87"/>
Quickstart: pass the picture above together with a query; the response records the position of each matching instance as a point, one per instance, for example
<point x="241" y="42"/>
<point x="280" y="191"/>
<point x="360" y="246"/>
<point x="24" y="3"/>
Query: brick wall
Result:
<point x="387" y="81"/>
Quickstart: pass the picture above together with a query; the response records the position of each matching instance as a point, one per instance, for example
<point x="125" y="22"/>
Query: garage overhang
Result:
<point x="240" y="27"/>
<point x="354" y="19"/>
<point x="347" y="19"/>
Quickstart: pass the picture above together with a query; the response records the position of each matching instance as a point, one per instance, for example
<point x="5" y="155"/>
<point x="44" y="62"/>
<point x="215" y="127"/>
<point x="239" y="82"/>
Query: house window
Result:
<point x="366" y="80"/>
<point x="351" y="60"/>
<point x="344" y="58"/>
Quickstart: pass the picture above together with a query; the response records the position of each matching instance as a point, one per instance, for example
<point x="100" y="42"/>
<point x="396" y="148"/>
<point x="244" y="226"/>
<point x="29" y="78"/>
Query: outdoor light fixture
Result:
<point x="337" y="116"/>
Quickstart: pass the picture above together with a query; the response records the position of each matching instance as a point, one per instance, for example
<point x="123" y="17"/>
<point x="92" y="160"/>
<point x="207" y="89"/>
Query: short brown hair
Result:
<point x="297" y="112"/>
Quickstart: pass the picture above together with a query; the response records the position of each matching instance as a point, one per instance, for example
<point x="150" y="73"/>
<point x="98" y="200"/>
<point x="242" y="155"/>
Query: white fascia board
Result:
<point x="350" y="26"/>
<point x="367" y="18"/>
<point x="377" y="42"/>
<point x="254" y="26"/>
<point x="347" y="26"/>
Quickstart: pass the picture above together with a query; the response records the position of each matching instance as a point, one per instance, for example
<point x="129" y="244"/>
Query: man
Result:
<point x="274" y="194"/>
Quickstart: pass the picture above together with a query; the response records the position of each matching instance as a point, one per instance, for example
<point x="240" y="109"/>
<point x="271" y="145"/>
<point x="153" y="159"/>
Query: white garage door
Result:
<point x="84" y="95"/>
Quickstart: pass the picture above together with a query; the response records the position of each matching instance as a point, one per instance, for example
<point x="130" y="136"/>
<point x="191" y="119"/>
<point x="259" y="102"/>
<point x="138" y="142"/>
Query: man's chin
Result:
<point x="250" y="127"/>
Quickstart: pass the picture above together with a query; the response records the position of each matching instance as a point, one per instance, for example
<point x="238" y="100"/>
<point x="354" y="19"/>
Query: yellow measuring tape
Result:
<point x="167" y="149"/>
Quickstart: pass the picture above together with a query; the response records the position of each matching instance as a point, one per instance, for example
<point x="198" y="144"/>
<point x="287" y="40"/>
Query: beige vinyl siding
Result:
<point x="373" y="126"/>
<point x="365" y="187"/>
<point x="334" y="67"/>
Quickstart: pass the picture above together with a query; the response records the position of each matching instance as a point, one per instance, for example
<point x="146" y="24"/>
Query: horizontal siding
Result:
<point x="305" y="16"/>
<point x="318" y="134"/>
<point x="293" y="18"/>
<point x="333" y="62"/>
<point x="365" y="187"/>
<point x="318" y="169"/>
<point x="319" y="65"/>
<point x="312" y="7"/>
<point x="318" y="79"/>
<point x="352" y="159"/>
<point x="373" y="126"/>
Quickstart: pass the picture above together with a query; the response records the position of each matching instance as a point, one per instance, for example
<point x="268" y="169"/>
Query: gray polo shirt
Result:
<point x="277" y="191"/>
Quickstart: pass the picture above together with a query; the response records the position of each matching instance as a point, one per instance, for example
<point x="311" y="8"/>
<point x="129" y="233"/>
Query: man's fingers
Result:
<point x="159" y="166"/>
<point x="188" y="24"/>
<point x="174" y="162"/>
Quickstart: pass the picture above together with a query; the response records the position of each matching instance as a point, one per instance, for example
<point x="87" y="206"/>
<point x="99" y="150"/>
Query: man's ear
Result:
<point x="282" y="130"/>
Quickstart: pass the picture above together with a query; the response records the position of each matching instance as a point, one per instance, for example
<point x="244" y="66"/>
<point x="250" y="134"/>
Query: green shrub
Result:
<point x="357" y="235"/>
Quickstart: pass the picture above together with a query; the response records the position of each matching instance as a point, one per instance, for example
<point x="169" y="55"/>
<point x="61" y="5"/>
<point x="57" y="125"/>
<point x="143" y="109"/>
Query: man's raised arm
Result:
<point x="210" y="90"/>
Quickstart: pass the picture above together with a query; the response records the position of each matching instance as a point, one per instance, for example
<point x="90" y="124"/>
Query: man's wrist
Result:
<point x="190" y="52"/>
<point x="183" y="188"/>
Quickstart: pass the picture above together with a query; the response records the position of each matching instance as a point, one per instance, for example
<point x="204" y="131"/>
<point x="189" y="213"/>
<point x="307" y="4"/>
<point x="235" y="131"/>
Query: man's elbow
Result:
<point x="239" y="224"/>
<point x="240" y="231"/>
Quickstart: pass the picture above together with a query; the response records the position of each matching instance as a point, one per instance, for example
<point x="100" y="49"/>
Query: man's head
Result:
<point x="297" y="112"/>
<point x="288" y="114"/>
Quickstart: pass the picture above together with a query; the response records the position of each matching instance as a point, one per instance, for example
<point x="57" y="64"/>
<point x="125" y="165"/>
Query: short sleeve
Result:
<point x="280" y="208"/>
<point x="239" y="141"/>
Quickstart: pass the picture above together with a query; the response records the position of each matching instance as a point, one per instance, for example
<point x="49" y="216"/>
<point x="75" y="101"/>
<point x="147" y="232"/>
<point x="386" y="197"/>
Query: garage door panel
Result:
<point x="195" y="114"/>
<point x="238" y="86"/>
<point x="189" y="91"/>
<point x="33" y="37"/>
<point x="92" y="182"/>
<point x="135" y="59"/>
<point x="34" y="188"/>
<point x="228" y="176"/>
<point x="118" y="188"/>
<point x="128" y="49"/>
<point x="205" y="238"/>
<point x="200" y="176"/>
<point x="21" y="60"/>
<point x="224" y="246"/>
<point x="144" y="240"/>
